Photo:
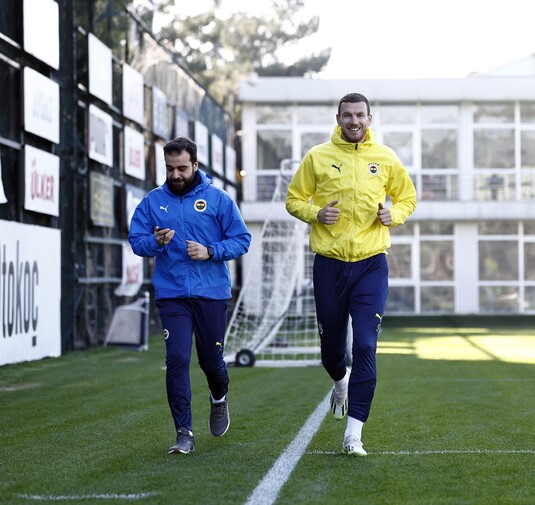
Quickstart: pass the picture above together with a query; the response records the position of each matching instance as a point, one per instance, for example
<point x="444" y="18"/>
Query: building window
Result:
<point x="439" y="188"/>
<point x="436" y="228"/>
<point x="498" y="260"/>
<point x="311" y="139"/>
<point x="527" y="112"/>
<point x="273" y="114"/>
<point x="437" y="299"/>
<point x="497" y="228"/>
<point x="439" y="148"/>
<point x="401" y="142"/>
<point x="439" y="114"/>
<point x="405" y="229"/>
<point x="495" y="187"/>
<point x="527" y="149"/>
<point x="437" y="268"/>
<point x="436" y="260"/>
<point x="529" y="266"/>
<point x="272" y="146"/>
<point x="401" y="291"/>
<point x="494" y="113"/>
<point x="498" y="299"/>
<point x="529" y="261"/>
<point x="265" y="187"/>
<point x="494" y="148"/>
<point x="397" y="114"/>
<point x="499" y="289"/>
<point x="529" y="298"/>
<point x="527" y="185"/>
<point x="504" y="147"/>
<point x="400" y="300"/>
<point x="427" y="145"/>
<point x="316" y="114"/>
<point x="400" y="261"/>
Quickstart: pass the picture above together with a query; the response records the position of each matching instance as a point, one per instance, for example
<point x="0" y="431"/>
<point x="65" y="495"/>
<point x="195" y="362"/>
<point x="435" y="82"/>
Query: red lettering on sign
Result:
<point x="135" y="157"/>
<point x="42" y="187"/>
<point x="133" y="274"/>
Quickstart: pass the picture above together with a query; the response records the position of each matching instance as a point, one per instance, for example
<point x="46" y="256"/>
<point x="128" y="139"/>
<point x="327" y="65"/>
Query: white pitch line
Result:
<point x="268" y="488"/>
<point x="417" y="453"/>
<point x="138" y="496"/>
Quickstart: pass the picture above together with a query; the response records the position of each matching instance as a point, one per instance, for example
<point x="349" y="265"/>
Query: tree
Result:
<point x="107" y="20"/>
<point x="220" y="50"/>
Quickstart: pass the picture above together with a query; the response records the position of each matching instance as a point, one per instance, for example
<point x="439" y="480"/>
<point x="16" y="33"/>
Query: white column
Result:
<point x="466" y="268"/>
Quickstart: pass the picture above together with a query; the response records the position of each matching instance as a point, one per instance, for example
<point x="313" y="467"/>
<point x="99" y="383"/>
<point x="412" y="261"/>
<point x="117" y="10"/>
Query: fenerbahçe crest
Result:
<point x="200" y="205"/>
<point x="373" y="168"/>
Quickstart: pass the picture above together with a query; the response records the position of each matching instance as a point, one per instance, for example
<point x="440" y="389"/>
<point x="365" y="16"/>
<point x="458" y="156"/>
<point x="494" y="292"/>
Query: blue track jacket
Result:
<point x="206" y="215"/>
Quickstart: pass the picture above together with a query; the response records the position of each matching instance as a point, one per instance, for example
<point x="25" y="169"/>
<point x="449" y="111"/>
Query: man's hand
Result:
<point x="163" y="235"/>
<point x="329" y="215"/>
<point x="384" y="215"/>
<point x="197" y="251"/>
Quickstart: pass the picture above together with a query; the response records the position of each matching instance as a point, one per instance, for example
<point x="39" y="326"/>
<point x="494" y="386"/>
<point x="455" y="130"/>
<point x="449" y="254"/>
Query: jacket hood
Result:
<point x="336" y="137"/>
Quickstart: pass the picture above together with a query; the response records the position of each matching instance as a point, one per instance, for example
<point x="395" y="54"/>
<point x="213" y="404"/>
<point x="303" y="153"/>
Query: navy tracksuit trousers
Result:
<point x="207" y="320"/>
<point x="358" y="289"/>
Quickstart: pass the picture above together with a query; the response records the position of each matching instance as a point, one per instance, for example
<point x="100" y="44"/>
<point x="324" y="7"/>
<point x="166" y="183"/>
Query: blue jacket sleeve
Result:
<point x="141" y="235"/>
<point x="237" y="237"/>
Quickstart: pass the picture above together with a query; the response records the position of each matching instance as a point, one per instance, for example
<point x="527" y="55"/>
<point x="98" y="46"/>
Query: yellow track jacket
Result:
<point x="359" y="176"/>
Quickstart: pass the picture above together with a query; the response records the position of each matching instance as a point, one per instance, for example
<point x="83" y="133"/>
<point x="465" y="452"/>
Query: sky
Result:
<point x="386" y="39"/>
<point x="423" y="39"/>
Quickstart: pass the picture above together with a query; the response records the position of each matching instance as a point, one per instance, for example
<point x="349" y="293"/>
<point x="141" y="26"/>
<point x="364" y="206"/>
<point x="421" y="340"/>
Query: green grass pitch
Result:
<point x="453" y="423"/>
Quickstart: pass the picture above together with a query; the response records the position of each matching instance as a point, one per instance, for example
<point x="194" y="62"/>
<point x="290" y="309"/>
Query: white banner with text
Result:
<point x="30" y="292"/>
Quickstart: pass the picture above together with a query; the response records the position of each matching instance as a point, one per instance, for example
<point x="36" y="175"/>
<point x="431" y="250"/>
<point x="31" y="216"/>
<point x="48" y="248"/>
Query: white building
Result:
<point x="469" y="146"/>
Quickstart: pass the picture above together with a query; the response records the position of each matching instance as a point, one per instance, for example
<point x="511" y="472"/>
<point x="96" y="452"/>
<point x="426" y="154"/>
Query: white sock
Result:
<point x="354" y="427"/>
<point x="341" y="385"/>
<point x="218" y="401"/>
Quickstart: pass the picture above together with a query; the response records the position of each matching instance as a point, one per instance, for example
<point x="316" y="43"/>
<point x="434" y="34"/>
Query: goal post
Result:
<point x="274" y="316"/>
<point x="273" y="322"/>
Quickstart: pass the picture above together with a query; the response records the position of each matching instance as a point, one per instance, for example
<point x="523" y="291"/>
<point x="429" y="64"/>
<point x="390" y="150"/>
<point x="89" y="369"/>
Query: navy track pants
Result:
<point x="207" y="320"/>
<point x="358" y="289"/>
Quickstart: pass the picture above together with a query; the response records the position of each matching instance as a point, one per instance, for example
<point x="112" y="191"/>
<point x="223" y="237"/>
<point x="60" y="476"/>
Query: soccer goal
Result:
<point x="274" y="320"/>
<point x="130" y="325"/>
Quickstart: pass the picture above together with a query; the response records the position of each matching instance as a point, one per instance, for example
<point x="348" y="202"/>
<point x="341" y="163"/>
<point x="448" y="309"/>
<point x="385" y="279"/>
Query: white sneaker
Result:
<point x="338" y="404"/>
<point x="352" y="446"/>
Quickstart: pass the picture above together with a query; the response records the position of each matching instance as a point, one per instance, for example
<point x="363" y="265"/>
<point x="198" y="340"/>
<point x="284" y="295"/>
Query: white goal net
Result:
<point x="274" y="319"/>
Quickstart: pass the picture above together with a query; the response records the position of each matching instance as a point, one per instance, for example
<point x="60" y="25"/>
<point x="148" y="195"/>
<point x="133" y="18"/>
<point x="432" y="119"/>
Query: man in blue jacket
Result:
<point x="192" y="228"/>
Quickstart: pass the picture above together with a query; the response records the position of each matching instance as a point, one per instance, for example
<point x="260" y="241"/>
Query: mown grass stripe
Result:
<point x="268" y="488"/>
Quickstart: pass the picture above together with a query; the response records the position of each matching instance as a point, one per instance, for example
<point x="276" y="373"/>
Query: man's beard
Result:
<point x="182" y="186"/>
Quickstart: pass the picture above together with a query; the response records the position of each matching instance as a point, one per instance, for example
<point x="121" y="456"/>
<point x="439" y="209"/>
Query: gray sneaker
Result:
<point x="185" y="442"/>
<point x="219" y="417"/>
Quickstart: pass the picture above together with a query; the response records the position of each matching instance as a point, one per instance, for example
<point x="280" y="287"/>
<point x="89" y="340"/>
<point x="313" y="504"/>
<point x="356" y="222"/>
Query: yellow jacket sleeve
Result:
<point x="300" y="192"/>
<point x="403" y="194"/>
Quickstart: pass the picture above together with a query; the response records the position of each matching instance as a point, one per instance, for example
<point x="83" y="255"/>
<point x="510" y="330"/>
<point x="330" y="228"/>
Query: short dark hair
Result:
<point x="354" y="98"/>
<point x="182" y="144"/>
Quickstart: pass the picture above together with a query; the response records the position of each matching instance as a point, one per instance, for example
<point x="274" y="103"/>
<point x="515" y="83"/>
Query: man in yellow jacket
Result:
<point x="340" y="189"/>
